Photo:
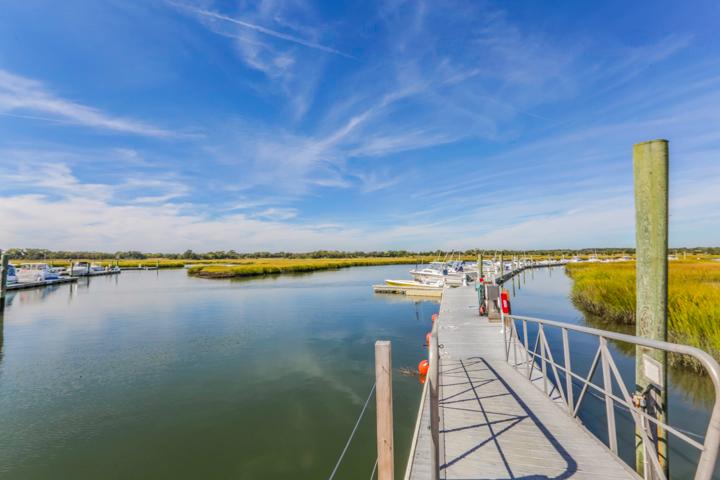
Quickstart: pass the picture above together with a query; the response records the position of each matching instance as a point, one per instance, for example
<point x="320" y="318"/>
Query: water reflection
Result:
<point x="2" y="335"/>
<point x="167" y="376"/>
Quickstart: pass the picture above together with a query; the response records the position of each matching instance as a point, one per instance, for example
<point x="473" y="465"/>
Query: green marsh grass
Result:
<point x="607" y="290"/>
<point x="265" y="266"/>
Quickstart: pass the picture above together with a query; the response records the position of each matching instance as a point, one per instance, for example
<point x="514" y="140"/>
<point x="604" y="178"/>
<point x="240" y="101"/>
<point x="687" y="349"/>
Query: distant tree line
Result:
<point x="43" y="254"/>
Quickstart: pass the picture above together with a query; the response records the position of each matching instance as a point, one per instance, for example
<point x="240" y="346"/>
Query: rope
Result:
<point x="372" y="475"/>
<point x="352" y="434"/>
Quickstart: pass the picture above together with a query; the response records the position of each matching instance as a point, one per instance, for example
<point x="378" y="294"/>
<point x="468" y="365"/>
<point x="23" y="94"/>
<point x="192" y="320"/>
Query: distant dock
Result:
<point x="44" y="283"/>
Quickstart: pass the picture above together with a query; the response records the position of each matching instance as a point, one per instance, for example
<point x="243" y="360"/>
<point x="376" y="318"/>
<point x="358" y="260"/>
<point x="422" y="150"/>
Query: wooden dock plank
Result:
<point x="494" y="423"/>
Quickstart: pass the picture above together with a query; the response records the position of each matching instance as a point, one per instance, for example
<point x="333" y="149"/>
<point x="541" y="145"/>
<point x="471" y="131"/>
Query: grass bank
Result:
<point x="607" y="290"/>
<point x="250" y="268"/>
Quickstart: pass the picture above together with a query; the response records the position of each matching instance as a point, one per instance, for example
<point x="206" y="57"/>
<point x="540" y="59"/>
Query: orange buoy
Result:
<point x="422" y="379"/>
<point x="434" y="317"/>
<point x="427" y="338"/>
<point x="423" y="367"/>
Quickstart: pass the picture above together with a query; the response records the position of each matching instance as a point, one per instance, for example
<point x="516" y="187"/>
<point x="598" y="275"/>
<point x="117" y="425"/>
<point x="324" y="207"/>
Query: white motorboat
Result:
<point x="86" y="268"/>
<point x="434" y="271"/>
<point x="415" y="283"/>
<point x="35" y="272"/>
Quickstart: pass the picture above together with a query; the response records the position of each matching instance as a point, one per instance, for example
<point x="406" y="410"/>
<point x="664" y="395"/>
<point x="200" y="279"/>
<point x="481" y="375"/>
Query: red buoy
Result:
<point x="427" y="338"/>
<point x="434" y="317"/>
<point x="423" y="367"/>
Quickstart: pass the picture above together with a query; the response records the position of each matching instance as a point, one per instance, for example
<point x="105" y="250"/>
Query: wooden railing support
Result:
<point x="383" y="397"/>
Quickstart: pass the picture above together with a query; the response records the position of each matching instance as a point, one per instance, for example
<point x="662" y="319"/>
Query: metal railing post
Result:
<point x="541" y="336"/>
<point x="568" y="377"/>
<point x="527" y="348"/>
<point x="609" y="405"/>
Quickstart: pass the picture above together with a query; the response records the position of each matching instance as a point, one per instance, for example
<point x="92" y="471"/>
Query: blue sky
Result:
<point x="292" y="125"/>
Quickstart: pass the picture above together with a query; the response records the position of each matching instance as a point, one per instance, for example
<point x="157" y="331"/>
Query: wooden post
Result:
<point x="650" y="166"/>
<point x="3" y="280"/>
<point x="383" y="397"/>
<point x="434" y="379"/>
<point x="502" y="270"/>
<point x="480" y="266"/>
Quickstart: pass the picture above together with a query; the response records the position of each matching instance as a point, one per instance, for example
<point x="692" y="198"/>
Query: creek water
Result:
<point x="160" y="375"/>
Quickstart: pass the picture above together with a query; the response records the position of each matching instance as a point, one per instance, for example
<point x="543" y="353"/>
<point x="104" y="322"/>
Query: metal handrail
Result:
<point x="603" y="358"/>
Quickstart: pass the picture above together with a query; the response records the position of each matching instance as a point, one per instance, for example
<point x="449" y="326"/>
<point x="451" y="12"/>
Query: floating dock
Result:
<point x="416" y="290"/>
<point x="493" y="421"/>
<point x="97" y="273"/>
<point x="45" y="283"/>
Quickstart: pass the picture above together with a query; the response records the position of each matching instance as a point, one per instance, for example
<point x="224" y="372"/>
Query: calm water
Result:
<point x="158" y="375"/>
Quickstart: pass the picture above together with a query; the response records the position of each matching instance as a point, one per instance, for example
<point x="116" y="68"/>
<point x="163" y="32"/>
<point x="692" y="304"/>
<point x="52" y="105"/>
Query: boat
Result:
<point x="11" y="274"/>
<point x="415" y="283"/>
<point x="435" y="271"/>
<point x="59" y="270"/>
<point x="86" y="268"/>
<point x="35" y="272"/>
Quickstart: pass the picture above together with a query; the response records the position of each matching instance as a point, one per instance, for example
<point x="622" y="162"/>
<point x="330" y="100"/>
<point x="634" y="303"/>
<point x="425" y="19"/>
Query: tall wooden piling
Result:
<point x="650" y="166"/>
<point x="383" y="397"/>
<point x="3" y="280"/>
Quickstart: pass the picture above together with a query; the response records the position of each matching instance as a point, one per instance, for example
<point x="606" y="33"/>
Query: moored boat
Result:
<point x="35" y="272"/>
<point x="414" y="283"/>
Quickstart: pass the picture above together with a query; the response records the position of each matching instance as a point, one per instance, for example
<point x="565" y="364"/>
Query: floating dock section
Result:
<point x="493" y="422"/>
<point x="415" y="290"/>
<point x="45" y="283"/>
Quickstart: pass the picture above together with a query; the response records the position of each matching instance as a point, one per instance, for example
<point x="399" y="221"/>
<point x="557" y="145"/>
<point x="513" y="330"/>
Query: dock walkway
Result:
<point x="494" y="423"/>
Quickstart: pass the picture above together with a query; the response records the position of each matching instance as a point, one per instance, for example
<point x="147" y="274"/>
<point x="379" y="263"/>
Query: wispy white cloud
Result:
<point x="264" y="30"/>
<point x="21" y="94"/>
<point x="375" y="181"/>
<point x="277" y="213"/>
<point x="278" y="39"/>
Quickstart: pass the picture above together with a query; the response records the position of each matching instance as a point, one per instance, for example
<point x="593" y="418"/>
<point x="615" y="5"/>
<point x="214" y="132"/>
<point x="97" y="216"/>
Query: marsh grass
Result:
<point x="607" y="290"/>
<point x="255" y="267"/>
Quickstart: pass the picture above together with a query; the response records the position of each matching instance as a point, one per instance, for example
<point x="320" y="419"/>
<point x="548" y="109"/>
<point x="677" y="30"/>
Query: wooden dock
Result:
<point x="493" y="422"/>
